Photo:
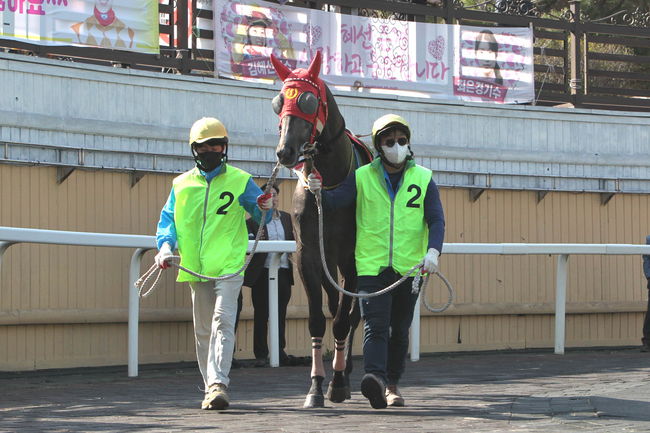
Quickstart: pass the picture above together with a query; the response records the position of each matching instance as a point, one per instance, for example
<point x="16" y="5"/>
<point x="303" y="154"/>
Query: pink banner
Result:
<point x="432" y="60"/>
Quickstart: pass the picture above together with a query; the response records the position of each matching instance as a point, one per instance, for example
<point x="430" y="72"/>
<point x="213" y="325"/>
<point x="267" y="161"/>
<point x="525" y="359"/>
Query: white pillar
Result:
<point x="415" y="332"/>
<point x="134" y="311"/>
<point x="560" y="303"/>
<point x="274" y="340"/>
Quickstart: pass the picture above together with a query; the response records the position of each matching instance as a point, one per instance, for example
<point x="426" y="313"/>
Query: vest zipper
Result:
<point x="390" y="247"/>
<point x="205" y="211"/>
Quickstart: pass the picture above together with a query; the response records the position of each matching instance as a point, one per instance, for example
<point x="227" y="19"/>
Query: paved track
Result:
<point x="583" y="391"/>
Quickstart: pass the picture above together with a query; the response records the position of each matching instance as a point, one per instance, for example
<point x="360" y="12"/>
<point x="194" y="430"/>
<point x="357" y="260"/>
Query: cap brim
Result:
<point x="203" y="140"/>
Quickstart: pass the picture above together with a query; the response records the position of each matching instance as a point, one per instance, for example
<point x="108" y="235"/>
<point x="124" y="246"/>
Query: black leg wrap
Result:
<point x="315" y="396"/>
<point x="316" y="343"/>
<point x="338" y="391"/>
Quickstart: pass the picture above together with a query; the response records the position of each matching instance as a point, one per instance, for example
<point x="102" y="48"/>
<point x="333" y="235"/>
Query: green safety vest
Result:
<point x="210" y="222"/>
<point x="390" y="233"/>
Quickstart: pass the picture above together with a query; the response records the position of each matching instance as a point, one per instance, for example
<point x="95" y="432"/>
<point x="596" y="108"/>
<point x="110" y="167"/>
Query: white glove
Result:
<point x="430" y="262"/>
<point x="314" y="182"/>
<point x="163" y="256"/>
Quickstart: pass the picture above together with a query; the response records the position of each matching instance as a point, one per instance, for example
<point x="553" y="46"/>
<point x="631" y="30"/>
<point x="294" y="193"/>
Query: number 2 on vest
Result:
<point x="229" y="199"/>
<point x="418" y="192"/>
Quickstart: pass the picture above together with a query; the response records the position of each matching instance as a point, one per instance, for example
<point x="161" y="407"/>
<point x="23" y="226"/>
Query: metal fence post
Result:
<point x="274" y="339"/>
<point x="134" y="311"/>
<point x="560" y="303"/>
<point x="415" y="331"/>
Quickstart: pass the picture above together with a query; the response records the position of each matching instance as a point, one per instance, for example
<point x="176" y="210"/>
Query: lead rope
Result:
<point x="416" y="287"/>
<point x="142" y="281"/>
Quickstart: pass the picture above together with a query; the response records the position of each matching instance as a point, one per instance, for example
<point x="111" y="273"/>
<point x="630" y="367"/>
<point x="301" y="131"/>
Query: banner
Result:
<point x="437" y="60"/>
<point x="130" y="25"/>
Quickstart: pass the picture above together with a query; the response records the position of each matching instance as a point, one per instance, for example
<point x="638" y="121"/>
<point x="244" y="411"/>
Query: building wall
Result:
<point x="65" y="306"/>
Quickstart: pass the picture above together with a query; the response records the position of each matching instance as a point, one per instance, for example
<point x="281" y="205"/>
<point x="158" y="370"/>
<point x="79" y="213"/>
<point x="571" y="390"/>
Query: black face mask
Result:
<point x="208" y="161"/>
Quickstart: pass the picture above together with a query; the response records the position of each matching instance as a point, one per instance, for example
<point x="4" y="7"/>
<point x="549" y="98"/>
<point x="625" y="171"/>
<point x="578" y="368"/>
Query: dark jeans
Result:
<point x="646" y="321"/>
<point x="387" y="322"/>
<point x="260" y="297"/>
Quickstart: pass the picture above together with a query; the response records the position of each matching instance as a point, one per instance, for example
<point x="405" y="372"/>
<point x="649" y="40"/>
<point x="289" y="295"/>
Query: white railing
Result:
<point x="10" y="236"/>
<point x="563" y="251"/>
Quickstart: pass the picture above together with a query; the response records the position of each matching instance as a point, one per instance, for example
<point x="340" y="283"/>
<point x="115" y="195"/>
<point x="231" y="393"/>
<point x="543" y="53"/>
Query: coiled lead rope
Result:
<point x="416" y="287"/>
<point x="142" y="281"/>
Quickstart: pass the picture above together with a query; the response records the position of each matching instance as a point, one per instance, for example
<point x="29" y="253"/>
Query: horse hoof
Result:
<point x="338" y="394"/>
<point x="314" y="401"/>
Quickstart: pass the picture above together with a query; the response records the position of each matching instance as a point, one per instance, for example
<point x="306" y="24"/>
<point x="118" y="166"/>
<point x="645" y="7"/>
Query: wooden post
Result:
<point x="575" y="66"/>
<point x="449" y="12"/>
<point x="181" y="35"/>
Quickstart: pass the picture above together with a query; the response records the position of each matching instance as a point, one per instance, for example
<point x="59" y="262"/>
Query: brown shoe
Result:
<point x="216" y="398"/>
<point x="393" y="396"/>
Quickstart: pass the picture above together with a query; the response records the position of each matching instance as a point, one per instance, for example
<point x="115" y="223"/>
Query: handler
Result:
<point x="400" y="223"/>
<point x="205" y="217"/>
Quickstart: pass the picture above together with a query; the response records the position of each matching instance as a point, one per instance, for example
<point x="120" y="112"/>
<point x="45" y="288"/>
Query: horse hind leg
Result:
<point x="355" y="319"/>
<point x="339" y="389"/>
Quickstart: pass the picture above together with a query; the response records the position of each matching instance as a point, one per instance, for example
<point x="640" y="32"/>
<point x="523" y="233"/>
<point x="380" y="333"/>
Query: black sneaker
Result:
<point x="374" y="390"/>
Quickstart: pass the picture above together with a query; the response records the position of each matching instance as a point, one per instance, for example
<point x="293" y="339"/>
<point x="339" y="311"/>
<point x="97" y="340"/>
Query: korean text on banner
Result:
<point x="130" y="25"/>
<point x="436" y="60"/>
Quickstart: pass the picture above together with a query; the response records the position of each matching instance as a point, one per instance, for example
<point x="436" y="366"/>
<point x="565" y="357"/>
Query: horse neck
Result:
<point x="335" y="159"/>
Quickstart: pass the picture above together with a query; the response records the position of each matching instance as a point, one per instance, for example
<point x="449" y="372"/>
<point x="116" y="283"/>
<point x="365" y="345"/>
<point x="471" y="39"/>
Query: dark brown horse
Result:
<point x="311" y="123"/>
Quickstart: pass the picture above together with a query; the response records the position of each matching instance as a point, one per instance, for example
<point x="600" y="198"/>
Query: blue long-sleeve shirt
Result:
<point x="166" y="231"/>
<point x="346" y="194"/>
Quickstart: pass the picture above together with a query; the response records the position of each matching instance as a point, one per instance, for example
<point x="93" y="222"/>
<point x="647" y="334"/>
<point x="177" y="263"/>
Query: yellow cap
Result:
<point x="389" y="121"/>
<point x="207" y="128"/>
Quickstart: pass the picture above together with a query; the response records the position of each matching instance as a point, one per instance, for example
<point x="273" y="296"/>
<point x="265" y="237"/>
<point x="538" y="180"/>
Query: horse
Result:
<point x="311" y="123"/>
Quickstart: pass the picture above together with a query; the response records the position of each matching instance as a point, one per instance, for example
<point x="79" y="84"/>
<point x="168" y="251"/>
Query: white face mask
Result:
<point x="396" y="154"/>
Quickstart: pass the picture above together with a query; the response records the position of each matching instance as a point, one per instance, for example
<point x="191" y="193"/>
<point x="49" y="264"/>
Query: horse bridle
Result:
<point x="321" y="105"/>
<point x="308" y="150"/>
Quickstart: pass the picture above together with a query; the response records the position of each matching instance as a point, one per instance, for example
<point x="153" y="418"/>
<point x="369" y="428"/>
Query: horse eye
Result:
<point x="308" y="103"/>
<point x="277" y="103"/>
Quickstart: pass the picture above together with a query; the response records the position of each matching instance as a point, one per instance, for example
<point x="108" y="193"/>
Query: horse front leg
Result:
<point x="311" y="277"/>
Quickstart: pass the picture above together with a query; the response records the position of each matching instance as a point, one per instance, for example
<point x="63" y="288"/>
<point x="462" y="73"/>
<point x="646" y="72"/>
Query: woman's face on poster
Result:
<point x="486" y="53"/>
<point x="258" y="35"/>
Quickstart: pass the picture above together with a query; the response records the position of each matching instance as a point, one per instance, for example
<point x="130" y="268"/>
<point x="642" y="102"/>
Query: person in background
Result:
<point x="278" y="228"/>
<point x="646" y="321"/>
<point x="205" y="218"/>
<point x="400" y="223"/>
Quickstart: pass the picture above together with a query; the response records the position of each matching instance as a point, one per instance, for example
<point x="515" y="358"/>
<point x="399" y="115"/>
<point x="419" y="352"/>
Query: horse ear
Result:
<point x="282" y="71"/>
<point x="314" y="68"/>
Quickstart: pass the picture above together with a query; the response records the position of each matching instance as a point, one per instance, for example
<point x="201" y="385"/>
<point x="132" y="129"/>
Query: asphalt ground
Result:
<point x="582" y="391"/>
